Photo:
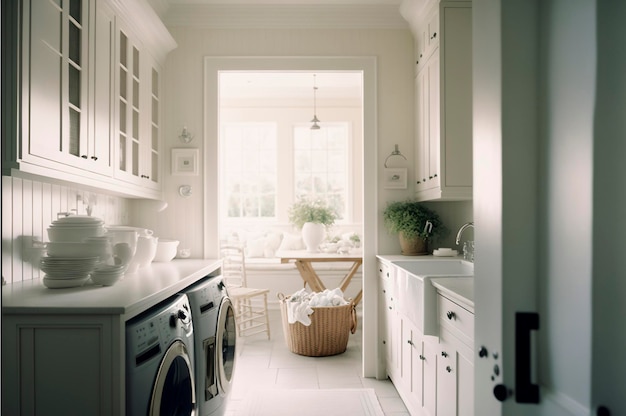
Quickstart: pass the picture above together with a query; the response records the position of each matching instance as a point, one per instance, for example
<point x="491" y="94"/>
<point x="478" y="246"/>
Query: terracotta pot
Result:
<point x="413" y="247"/>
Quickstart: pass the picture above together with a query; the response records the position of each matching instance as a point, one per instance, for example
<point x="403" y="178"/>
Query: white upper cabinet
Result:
<point x="443" y="102"/>
<point x="60" y="93"/>
<point x="90" y="94"/>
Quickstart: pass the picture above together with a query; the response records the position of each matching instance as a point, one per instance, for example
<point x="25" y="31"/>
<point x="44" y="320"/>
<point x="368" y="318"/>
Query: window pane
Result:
<point x="321" y="164"/>
<point x="249" y="170"/>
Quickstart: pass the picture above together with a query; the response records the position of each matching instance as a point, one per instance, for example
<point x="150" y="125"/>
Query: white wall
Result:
<point x="183" y="89"/>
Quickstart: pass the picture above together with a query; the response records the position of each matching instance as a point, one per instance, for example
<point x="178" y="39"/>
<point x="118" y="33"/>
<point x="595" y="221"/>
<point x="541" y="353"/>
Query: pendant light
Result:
<point x="315" y="120"/>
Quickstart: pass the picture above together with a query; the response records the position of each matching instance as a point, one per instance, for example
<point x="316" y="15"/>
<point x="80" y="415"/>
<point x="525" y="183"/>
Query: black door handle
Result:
<point x="525" y="391"/>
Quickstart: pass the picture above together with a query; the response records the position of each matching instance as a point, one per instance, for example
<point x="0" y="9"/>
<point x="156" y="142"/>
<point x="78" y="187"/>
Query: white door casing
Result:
<point x="368" y="66"/>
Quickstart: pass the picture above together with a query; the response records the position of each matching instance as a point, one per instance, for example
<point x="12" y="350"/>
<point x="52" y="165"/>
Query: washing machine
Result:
<point x="215" y="343"/>
<point x="160" y="361"/>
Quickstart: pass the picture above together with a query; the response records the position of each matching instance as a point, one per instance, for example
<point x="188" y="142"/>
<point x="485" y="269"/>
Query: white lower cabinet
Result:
<point x="416" y="380"/>
<point x="434" y="375"/>
<point x="455" y="378"/>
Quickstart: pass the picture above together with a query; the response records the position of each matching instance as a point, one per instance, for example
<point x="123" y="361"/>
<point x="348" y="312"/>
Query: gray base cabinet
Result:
<point x="62" y="365"/>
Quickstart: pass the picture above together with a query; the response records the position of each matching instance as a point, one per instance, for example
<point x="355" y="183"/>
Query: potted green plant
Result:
<point x="414" y="223"/>
<point x="313" y="217"/>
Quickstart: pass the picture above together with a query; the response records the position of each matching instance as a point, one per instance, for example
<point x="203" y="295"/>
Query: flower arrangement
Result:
<point x="316" y="211"/>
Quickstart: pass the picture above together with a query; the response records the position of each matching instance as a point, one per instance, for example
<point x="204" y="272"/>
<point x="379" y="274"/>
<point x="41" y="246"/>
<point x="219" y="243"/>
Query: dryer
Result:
<point x="215" y="343"/>
<point x="160" y="361"/>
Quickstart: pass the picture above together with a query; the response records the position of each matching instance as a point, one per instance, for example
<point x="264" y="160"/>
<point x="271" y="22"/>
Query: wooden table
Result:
<point x="304" y="262"/>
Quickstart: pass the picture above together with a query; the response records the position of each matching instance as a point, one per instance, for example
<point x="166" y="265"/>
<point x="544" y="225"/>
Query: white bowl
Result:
<point x="72" y="249"/>
<point x="166" y="250"/>
<point x="77" y="233"/>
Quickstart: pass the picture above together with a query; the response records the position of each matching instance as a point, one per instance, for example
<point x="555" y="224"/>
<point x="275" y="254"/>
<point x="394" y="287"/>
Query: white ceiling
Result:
<point x="290" y="2"/>
<point x="290" y="85"/>
<point x="234" y="14"/>
<point x="281" y="14"/>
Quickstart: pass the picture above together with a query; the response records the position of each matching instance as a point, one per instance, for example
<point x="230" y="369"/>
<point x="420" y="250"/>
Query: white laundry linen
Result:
<point x="300" y="304"/>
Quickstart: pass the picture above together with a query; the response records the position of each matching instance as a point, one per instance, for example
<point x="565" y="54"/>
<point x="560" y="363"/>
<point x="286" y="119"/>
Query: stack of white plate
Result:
<point x="107" y="275"/>
<point x="75" y="228"/>
<point x="62" y="272"/>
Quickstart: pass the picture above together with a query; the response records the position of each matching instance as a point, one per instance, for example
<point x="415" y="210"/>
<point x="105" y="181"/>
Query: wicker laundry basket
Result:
<point x="328" y="333"/>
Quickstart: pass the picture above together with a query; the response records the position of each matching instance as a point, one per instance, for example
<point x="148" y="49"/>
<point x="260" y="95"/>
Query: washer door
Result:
<point x="173" y="393"/>
<point x="226" y="339"/>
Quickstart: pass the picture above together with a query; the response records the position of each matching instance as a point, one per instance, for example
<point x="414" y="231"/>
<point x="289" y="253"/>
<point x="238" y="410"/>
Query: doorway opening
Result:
<point x="366" y="66"/>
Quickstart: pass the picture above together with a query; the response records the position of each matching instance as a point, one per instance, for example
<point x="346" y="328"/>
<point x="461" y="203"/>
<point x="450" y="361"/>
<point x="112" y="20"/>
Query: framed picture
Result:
<point x="395" y="178"/>
<point x="185" y="162"/>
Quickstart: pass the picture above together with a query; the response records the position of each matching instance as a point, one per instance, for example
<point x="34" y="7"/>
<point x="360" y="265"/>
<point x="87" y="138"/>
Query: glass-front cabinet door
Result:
<point x="152" y="155"/>
<point x="138" y="91"/>
<point x="128" y="108"/>
<point x="58" y="94"/>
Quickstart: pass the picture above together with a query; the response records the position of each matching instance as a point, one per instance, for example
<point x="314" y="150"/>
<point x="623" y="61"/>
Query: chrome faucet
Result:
<point x="460" y="233"/>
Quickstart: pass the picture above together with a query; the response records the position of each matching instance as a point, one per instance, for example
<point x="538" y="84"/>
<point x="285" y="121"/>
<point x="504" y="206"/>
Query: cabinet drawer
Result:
<point x="457" y="320"/>
<point x="383" y="271"/>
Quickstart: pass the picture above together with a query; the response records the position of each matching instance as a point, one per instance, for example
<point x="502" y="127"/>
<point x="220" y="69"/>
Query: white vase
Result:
<point x="313" y="234"/>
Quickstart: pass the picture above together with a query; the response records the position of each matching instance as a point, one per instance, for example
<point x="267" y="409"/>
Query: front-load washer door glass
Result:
<point x="226" y="345"/>
<point x="173" y="393"/>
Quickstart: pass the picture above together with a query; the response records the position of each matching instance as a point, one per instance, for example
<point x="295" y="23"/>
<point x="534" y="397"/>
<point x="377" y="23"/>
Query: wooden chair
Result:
<point x="250" y="304"/>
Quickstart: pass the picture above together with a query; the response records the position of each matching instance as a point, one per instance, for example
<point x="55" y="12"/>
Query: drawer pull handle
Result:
<point x="448" y="369"/>
<point x="410" y="342"/>
<point x="444" y="354"/>
<point x="451" y="315"/>
<point x="422" y="357"/>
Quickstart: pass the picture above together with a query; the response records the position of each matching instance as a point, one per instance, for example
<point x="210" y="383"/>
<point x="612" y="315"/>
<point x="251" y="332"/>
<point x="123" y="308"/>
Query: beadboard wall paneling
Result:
<point x="28" y="208"/>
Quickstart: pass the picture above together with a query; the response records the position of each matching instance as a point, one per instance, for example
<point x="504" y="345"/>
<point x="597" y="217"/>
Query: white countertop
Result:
<point x="129" y="296"/>
<point x="457" y="289"/>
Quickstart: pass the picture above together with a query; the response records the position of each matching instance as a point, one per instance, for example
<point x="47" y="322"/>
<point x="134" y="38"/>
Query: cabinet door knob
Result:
<point x="482" y="352"/>
<point x="94" y="157"/>
<point x="448" y="369"/>
<point x="501" y="392"/>
<point x="84" y="156"/>
<point x="422" y="357"/>
<point x="444" y="354"/>
<point x="434" y="35"/>
<point x="410" y="342"/>
<point x="451" y="315"/>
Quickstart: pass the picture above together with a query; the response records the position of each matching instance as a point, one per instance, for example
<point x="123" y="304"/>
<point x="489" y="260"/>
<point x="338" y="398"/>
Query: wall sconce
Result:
<point x="185" y="191"/>
<point x="395" y="178"/>
<point x="185" y="136"/>
<point x="396" y="152"/>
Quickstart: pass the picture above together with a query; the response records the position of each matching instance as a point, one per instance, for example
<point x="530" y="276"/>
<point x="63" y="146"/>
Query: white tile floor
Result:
<point x="263" y="364"/>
